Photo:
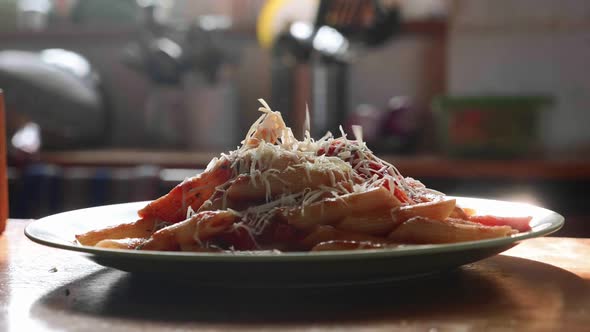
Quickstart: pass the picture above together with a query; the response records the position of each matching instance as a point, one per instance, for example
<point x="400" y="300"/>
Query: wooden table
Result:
<point x="542" y="284"/>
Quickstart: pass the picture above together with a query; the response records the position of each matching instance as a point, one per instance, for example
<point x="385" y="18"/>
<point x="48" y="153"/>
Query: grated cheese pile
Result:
<point x="270" y="148"/>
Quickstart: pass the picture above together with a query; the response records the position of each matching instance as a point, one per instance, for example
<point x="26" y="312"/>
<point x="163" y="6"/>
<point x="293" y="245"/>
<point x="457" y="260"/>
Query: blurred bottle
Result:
<point x="33" y="14"/>
<point x="8" y="15"/>
<point x="3" y="174"/>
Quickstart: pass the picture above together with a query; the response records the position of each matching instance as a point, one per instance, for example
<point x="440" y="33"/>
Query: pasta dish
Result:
<point x="276" y="192"/>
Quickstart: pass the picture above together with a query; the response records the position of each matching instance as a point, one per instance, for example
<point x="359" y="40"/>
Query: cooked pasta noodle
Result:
<point x="277" y="192"/>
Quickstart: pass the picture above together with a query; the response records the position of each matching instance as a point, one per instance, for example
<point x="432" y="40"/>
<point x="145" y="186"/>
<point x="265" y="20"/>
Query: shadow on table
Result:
<point x="507" y="286"/>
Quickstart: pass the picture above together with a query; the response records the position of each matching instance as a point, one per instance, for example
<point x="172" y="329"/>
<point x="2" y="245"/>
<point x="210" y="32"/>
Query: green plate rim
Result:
<point x="409" y="250"/>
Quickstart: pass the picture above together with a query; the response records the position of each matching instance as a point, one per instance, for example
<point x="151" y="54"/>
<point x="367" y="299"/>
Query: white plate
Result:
<point x="292" y="269"/>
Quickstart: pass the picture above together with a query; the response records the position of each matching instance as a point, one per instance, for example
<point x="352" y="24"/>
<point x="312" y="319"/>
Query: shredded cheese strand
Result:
<point x="349" y="164"/>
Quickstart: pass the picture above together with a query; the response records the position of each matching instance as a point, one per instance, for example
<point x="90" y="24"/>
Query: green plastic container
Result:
<point x="489" y="126"/>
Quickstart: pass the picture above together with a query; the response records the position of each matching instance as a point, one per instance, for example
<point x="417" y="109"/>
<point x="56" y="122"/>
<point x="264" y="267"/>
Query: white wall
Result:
<point x="406" y="66"/>
<point x="527" y="47"/>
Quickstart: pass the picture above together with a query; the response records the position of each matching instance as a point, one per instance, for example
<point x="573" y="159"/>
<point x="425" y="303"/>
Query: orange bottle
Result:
<point x="3" y="173"/>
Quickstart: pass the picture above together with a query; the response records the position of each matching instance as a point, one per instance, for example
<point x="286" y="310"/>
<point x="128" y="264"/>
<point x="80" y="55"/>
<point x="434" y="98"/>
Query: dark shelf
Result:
<point x="429" y="27"/>
<point x="417" y="166"/>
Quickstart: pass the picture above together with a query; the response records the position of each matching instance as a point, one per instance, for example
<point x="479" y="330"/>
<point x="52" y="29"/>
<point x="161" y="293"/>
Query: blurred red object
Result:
<point x="394" y="129"/>
<point x="3" y="175"/>
<point x="401" y="118"/>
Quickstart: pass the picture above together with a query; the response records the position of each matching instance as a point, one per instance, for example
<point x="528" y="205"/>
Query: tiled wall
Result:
<point x="527" y="47"/>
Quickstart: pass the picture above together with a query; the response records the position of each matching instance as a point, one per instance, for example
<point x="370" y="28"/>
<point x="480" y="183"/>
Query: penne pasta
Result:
<point x="275" y="192"/>
<point x="126" y="243"/>
<point x="325" y="233"/>
<point x="459" y="213"/>
<point x="347" y="245"/>
<point x="256" y="189"/>
<point x="192" y="193"/>
<point x="333" y="210"/>
<point x="195" y="230"/>
<point x="141" y="228"/>
<point x="425" y="230"/>
<point x="437" y="210"/>
<point x="379" y="222"/>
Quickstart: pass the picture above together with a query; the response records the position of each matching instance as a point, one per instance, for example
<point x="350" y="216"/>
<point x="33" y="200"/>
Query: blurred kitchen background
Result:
<point x="114" y="101"/>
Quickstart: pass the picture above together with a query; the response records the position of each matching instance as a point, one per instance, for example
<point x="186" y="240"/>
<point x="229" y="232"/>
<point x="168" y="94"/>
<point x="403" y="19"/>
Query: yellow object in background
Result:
<point x="277" y="15"/>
